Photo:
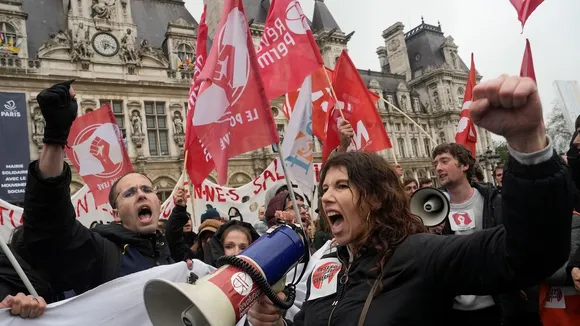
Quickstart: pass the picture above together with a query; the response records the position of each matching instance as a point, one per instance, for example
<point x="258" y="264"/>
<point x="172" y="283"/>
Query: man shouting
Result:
<point x="72" y="257"/>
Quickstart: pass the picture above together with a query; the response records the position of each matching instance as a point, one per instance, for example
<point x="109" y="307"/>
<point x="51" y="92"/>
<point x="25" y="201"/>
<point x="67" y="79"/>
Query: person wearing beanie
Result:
<point x="206" y="230"/>
<point x="210" y="213"/>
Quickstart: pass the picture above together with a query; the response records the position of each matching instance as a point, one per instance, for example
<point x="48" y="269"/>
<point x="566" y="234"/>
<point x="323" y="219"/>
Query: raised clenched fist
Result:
<point x="59" y="109"/>
<point x="511" y="107"/>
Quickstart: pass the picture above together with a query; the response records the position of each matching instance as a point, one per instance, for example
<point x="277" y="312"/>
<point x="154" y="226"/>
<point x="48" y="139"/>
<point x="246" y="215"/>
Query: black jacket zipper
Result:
<point x="342" y="288"/>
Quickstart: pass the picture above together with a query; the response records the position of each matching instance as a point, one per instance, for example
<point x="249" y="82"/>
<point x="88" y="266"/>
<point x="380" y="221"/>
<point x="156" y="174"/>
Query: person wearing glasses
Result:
<point x="75" y="258"/>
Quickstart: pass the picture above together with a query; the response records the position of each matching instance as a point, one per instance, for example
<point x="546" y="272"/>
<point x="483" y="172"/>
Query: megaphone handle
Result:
<point x="257" y="277"/>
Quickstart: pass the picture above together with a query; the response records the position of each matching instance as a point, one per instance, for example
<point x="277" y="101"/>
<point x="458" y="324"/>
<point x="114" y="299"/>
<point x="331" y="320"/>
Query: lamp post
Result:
<point x="488" y="160"/>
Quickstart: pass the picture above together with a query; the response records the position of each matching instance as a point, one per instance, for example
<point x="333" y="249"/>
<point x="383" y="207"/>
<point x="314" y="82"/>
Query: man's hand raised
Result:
<point x="511" y="107"/>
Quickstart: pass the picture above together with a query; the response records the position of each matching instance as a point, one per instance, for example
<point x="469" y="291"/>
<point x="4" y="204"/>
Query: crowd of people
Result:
<point x="488" y="263"/>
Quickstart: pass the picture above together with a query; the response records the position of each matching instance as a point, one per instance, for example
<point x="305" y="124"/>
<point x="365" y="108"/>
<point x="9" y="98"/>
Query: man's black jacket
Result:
<point x="427" y="271"/>
<point x="71" y="255"/>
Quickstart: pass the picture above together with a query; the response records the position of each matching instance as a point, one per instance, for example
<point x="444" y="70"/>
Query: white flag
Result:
<point x="298" y="147"/>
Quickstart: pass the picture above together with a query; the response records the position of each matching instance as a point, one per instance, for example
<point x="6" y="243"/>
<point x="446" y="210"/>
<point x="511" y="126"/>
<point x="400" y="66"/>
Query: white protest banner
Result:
<point x="240" y="203"/>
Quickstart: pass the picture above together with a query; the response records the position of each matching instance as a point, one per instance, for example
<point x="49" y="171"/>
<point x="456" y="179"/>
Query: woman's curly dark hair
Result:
<point x="392" y="222"/>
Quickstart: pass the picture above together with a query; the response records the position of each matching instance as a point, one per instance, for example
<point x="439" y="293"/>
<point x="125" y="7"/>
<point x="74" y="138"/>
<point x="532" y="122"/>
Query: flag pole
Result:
<point x="293" y="197"/>
<point x="332" y="91"/>
<point x="17" y="267"/>
<point x="190" y="189"/>
<point x="335" y="98"/>
<point x="413" y="121"/>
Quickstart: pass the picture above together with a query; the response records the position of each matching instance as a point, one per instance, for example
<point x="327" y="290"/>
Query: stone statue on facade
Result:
<point x="38" y="123"/>
<point x="436" y="99"/>
<point x="81" y="44"/>
<point x="136" y="124"/>
<point x="103" y="9"/>
<point x="179" y="134"/>
<point x="128" y="53"/>
<point x="137" y="135"/>
<point x="403" y="103"/>
<point x="60" y="39"/>
<point x="178" y="123"/>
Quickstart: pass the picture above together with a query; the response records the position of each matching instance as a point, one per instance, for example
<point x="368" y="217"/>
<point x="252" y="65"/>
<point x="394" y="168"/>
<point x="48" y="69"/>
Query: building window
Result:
<point x="157" y="133"/>
<point x="397" y="126"/>
<point x="424" y="126"/>
<point x="8" y="39"/>
<point x="412" y="127"/>
<point x="401" y="143"/>
<point x="281" y="134"/>
<point x="163" y="195"/>
<point x="427" y="143"/>
<point x="460" y="94"/>
<point x="415" y="147"/>
<point x="186" y="58"/>
<point x="117" y="108"/>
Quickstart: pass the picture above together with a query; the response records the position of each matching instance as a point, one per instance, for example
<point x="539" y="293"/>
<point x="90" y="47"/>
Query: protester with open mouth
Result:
<point x="75" y="258"/>
<point x="387" y="270"/>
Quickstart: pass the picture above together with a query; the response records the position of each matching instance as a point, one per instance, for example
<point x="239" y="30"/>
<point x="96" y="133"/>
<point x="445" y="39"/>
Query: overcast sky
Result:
<point x="488" y="28"/>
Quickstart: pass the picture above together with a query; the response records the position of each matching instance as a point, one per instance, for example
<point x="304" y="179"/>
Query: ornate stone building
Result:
<point x="137" y="56"/>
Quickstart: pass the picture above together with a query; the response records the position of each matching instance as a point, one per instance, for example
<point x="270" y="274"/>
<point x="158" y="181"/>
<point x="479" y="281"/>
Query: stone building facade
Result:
<point x="137" y="56"/>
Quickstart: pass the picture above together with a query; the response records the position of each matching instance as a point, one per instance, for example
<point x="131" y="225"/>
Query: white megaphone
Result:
<point x="431" y="205"/>
<point x="225" y="296"/>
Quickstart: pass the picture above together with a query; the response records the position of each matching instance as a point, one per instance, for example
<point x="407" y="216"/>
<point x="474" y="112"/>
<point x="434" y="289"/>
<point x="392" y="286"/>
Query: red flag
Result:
<point x="466" y="132"/>
<point x="525" y="8"/>
<point x="358" y="107"/>
<point x="527" y="69"/>
<point x="98" y="151"/>
<point x="199" y="162"/>
<point x="287" y="52"/>
<point x="322" y="101"/>
<point x="232" y="114"/>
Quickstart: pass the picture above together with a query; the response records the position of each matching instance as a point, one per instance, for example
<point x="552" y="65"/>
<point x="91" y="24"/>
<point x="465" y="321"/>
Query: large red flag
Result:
<point x="98" y="151"/>
<point x="322" y="101"/>
<point x="232" y="114"/>
<point x="466" y="132"/>
<point x="287" y="52"/>
<point x="525" y="8"/>
<point x="527" y="69"/>
<point x="199" y="161"/>
<point x="358" y="107"/>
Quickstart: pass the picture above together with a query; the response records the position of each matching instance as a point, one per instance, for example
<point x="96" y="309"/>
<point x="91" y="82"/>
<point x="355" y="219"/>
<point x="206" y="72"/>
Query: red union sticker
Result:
<point x="238" y="286"/>
<point x="324" y="278"/>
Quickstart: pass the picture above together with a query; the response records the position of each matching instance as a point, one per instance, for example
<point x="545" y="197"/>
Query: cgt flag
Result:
<point x="98" y="152"/>
<point x="232" y="114"/>
<point x="466" y="132"/>
<point x="287" y="52"/>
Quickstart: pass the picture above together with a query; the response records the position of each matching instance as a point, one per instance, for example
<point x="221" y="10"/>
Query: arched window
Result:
<point x="186" y="56"/>
<point x="8" y="39"/>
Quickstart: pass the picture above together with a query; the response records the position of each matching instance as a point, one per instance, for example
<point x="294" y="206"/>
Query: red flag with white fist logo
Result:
<point x="98" y="152"/>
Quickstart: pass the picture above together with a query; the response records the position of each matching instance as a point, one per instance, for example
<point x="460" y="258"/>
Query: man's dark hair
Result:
<point x="424" y="181"/>
<point x="113" y="192"/>
<point x="478" y="172"/>
<point x="407" y="181"/>
<point x="459" y="152"/>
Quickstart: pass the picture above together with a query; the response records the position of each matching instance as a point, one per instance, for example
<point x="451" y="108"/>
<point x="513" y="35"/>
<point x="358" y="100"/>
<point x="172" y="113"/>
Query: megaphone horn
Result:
<point x="431" y="205"/>
<point x="224" y="296"/>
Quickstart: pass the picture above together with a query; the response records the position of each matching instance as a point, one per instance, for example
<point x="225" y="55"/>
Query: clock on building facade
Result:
<point x="105" y="44"/>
